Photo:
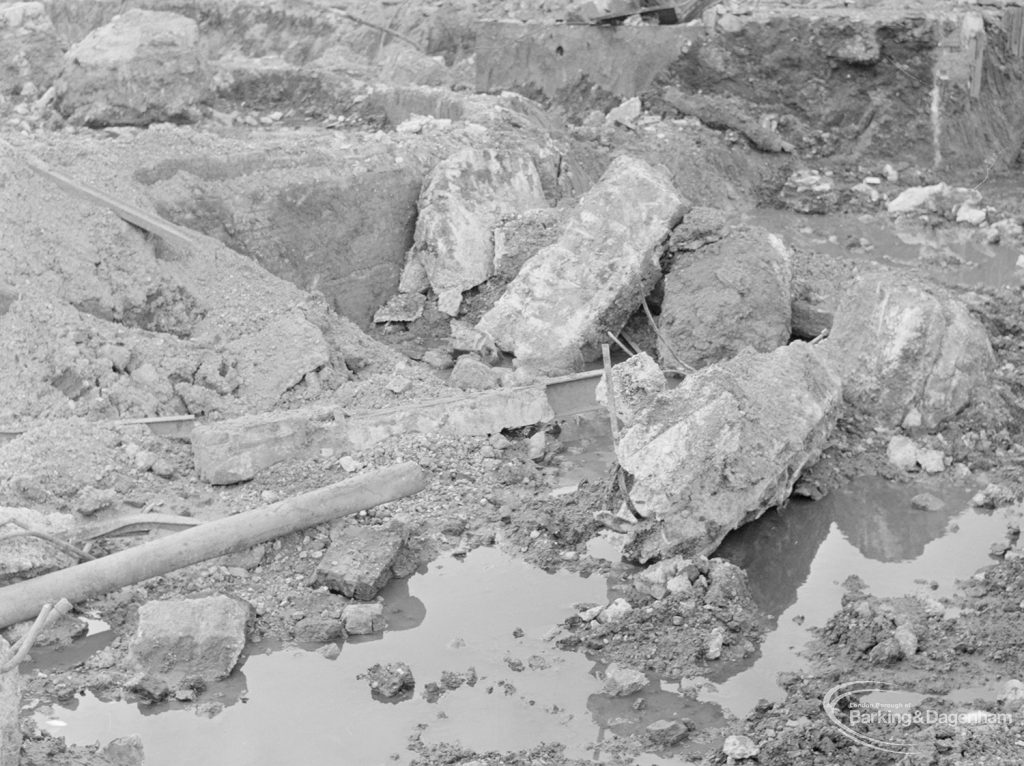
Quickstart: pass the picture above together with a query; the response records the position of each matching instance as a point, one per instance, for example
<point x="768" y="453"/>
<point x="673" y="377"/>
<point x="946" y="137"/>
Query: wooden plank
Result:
<point x="150" y="222"/>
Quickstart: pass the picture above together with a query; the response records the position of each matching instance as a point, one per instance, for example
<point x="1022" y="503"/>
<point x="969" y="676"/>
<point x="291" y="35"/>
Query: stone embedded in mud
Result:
<point x="471" y="374"/>
<point x="179" y="639"/>
<point x="925" y="501"/>
<point x="726" y="296"/>
<point x="142" y="67"/>
<point x="665" y="733"/>
<point x="462" y="200"/>
<point x="564" y="299"/>
<point x="358" y="563"/>
<point x="615" y="611"/>
<point x="898" y="344"/>
<point x="390" y="681"/>
<point x="621" y="681"/>
<point x="907" y="640"/>
<point x="363" y="619"/>
<point x="738" y="747"/>
<point x="725" y="446"/>
<point x="232" y="451"/>
<point x="916" y="197"/>
<point x="714" y="643"/>
<point x="635" y="381"/>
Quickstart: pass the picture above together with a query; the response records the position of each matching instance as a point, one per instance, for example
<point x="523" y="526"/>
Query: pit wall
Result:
<point x="938" y="89"/>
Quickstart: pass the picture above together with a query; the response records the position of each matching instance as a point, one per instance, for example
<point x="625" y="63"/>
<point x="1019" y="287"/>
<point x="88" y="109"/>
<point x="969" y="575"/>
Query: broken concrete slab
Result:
<point x="184" y="639"/>
<point x="901" y="345"/>
<point x="563" y="301"/>
<point x="235" y="450"/>
<point x="621" y="681"/>
<point x="725" y="446"/>
<point x="278" y="357"/>
<point x="726" y="296"/>
<point x="22" y="558"/>
<point x="30" y="51"/>
<point x="462" y="200"/>
<point x="636" y="381"/>
<point x="359" y="561"/>
<point x="142" y="67"/>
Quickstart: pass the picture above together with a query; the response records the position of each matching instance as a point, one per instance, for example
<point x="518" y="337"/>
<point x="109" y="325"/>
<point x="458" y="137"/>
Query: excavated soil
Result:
<point x="100" y="321"/>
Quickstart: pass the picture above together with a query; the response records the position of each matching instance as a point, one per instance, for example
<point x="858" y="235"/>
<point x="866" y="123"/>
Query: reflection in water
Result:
<point x="797" y="558"/>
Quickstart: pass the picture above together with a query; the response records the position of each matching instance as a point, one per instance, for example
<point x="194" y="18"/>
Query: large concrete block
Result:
<point x="142" y="67"/>
<point x="566" y="298"/>
<point x="189" y="638"/>
<point x="900" y="345"/>
<point x="358" y="563"/>
<point x="725" y="446"/>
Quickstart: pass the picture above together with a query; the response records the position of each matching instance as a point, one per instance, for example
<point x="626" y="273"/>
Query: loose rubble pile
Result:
<point x="252" y="250"/>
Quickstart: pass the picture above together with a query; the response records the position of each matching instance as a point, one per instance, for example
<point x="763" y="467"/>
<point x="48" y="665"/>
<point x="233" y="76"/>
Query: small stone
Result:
<point x="363" y="619"/>
<point x="907" y="640"/>
<point x="1013" y="694"/>
<point x="902" y="453"/>
<point x="537" y="446"/>
<point x="90" y="500"/>
<point x="398" y="384"/>
<point x="438" y="358"/>
<point x="163" y="468"/>
<point x="329" y="651"/>
<point x="737" y="747"/>
<point x="926" y="501"/>
<point x="713" y="648"/>
<point x="621" y="681"/>
<point x="931" y="460"/>
<point x="144" y="460"/>
<point x="615" y="611"/>
<point x="349" y="464"/>
<point x="666" y="733"/>
<point x="390" y="680"/>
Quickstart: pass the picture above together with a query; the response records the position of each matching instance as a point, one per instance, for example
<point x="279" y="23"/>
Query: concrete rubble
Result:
<point x="556" y="311"/>
<point x="361" y="560"/>
<point x="902" y="347"/>
<point x="725" y="446"/>
<point x="185" y="641"/>
<point x="252" y="250"/>
<point x="462" y="200"/>
<point x="142" y="67"/>
<point x="726" y="296"/>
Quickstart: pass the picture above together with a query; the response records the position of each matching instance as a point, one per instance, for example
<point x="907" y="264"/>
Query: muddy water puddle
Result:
<point x="959" y="256"/>
<point x="488" y="612"/>
<point x="492" y="613"/>
<point x="797" y="559"/>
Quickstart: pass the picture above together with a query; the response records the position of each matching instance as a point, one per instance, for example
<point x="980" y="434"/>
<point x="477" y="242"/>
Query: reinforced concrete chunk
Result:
<point x="725" y="446"/>
<point x="565" y="298"/>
